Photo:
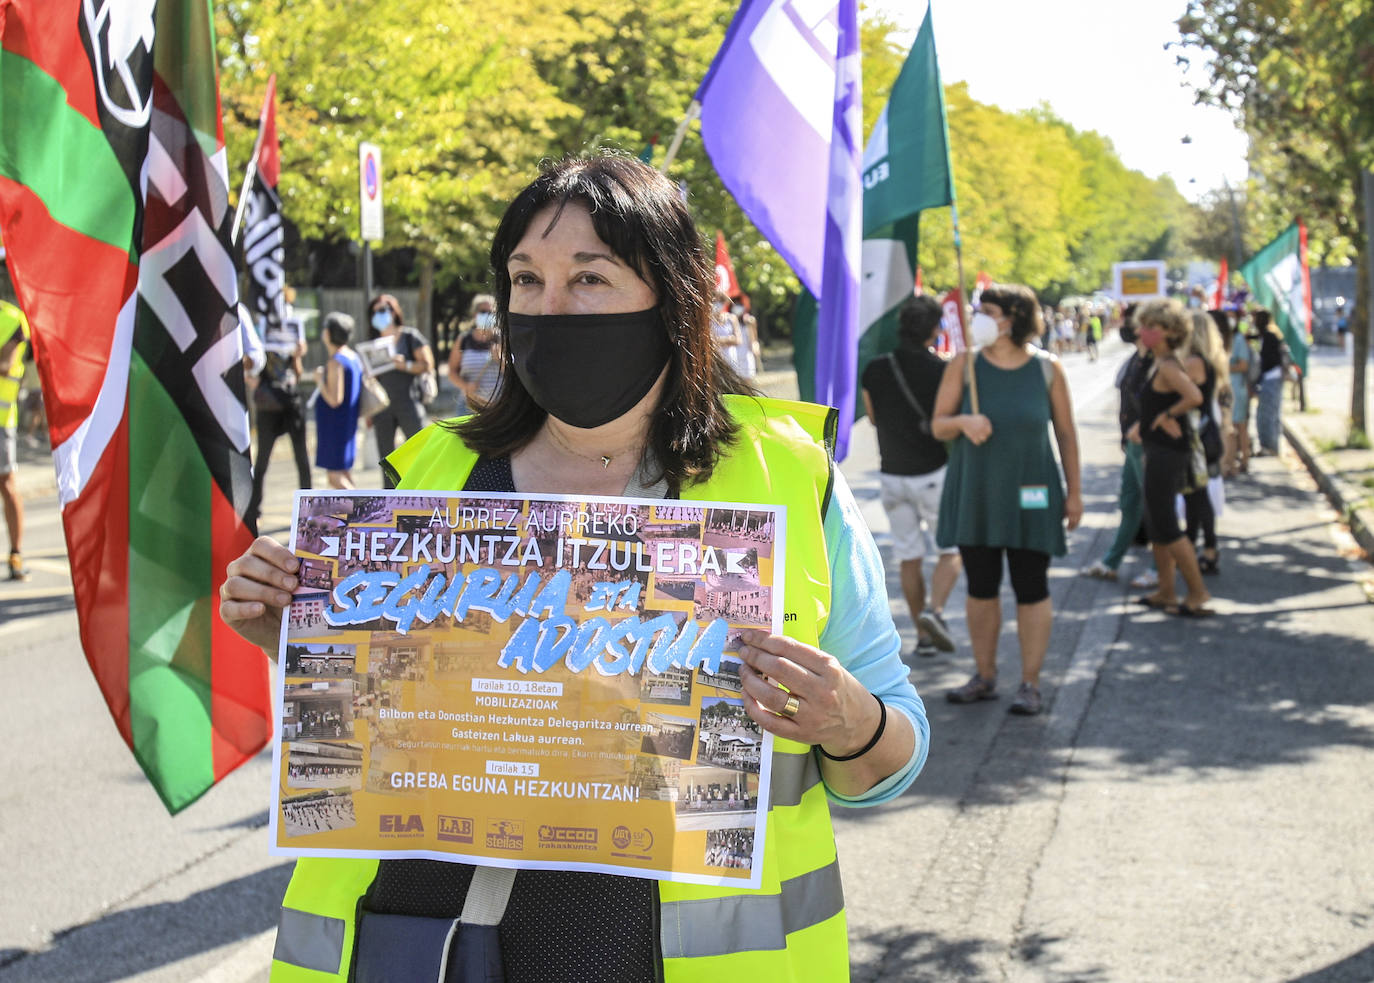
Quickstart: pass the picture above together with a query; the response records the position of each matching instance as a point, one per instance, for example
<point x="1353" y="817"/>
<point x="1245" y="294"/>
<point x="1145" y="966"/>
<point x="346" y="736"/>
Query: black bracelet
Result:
<point x="877" y="736"/>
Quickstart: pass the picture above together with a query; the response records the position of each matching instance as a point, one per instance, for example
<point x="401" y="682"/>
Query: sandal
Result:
<point x="1209" y="564"/>
<point x="1184" y="611"/>
<point x="1155" y="603"/>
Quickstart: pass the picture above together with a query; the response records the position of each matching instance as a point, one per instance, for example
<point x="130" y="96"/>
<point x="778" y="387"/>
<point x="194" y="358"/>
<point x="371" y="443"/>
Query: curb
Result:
<point x="1338" y="491"/>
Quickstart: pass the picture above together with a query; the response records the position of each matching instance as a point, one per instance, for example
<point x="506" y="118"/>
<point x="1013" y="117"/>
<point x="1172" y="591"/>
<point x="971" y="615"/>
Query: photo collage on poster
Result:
<point x="527" y="681"/>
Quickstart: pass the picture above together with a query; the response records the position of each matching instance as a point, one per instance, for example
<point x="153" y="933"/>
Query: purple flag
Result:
<point x="781" y="116"/>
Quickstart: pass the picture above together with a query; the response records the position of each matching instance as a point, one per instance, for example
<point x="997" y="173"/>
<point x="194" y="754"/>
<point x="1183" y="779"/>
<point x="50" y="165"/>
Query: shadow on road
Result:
<point x="916" y="957"/>
<point x="1357" y="968"/>
<point x="1254" y="687"/>
<point x="137" y="940"/>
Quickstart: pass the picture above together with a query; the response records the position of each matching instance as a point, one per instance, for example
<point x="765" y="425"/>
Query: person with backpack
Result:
<point x="899" y="396"/>
<point x="1004" y="494"/>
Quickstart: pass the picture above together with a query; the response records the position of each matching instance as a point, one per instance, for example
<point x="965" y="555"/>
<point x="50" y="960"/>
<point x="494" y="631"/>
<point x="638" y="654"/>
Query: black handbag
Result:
<point x="1210" y="435"/>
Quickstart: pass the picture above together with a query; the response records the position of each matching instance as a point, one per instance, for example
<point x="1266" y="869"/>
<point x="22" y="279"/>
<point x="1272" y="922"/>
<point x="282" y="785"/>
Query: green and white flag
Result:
<point x="1278" y="279"/>
<point x="906" y="169"/>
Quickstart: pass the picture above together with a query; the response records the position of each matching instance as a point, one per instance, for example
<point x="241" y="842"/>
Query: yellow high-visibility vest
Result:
<point x="12" y="319"/>
<point x="792" y="928"/>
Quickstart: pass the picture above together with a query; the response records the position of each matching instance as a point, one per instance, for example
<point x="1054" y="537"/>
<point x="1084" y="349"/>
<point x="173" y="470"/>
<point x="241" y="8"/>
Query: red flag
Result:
<point x="1222" y="277"/>
<point x="950" y="340"/>
<point x="980" y="284"/>
<point x="114" y="203"/>
<point x="1306" y="287"/>
<point x="725" y="272"/>
<point x="919" y="288"/>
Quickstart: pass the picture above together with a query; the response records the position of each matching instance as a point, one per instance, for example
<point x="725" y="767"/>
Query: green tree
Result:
<point x="416" y="78"/>
<point x="1300" y="76"/>
<point x="1043" y="204"/>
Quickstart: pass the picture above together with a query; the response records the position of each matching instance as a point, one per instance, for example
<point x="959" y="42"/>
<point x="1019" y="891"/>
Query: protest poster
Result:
<point x="541" y="682"/>
<point x="377" y="354"/>
<point x="284" y="336"/>
<point x="1139" y="280"/>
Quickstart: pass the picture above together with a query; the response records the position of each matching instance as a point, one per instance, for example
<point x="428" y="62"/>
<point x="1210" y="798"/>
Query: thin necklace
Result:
<point x="603" y="459"/>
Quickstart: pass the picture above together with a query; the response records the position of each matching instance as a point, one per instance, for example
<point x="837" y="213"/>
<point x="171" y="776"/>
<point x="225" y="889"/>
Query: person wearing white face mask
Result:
<point x="412" y="358"/>
<point x="1003" y="491"/>
<point x="472" y="356"/>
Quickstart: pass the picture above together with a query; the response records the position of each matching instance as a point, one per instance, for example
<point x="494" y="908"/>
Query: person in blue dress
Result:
<point x="339" y="382"/>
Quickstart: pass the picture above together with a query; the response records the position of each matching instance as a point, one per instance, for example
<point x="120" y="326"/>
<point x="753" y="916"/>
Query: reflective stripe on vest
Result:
<point x="309" y="941"/>
<point x="751" y="922"/>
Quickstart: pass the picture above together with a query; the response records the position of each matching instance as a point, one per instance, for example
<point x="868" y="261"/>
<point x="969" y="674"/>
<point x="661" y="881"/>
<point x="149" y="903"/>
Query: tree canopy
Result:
<point x="466" y="99"/>
<point x="1300" y="76"/>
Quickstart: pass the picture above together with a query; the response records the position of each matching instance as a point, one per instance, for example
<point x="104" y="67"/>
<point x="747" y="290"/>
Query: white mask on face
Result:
<point x="983" y="329"/>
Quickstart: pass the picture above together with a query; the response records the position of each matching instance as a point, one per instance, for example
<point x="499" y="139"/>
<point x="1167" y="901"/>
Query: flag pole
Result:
<point x="693" y="112"/>
<point x="243" y="193"/>
<point x="969" y="379"/>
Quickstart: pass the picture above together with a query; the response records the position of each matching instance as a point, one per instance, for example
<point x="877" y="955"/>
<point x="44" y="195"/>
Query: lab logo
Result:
<point x="455" y="829"/>
<point x="391" y="824"/>
<point x="505" y="834"/>
<point x="567" y="837"/>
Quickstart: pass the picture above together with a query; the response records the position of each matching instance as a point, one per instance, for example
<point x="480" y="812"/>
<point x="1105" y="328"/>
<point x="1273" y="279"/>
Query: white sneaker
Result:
<point x="1099" y="571"/>
<point x="1148" y="580"/>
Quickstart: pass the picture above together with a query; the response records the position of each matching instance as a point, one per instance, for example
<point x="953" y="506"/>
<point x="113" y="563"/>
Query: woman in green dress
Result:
<point x="1003" y="491"/>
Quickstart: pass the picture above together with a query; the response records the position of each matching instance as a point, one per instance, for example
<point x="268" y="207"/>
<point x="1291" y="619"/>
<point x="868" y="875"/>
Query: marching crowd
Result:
<point x="968" y="476"/>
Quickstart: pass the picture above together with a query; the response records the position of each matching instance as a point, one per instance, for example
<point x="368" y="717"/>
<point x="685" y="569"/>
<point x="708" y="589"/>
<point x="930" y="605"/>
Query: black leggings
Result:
<point x="271" y="425"/>
<point x="1165" y="471"/>
<point x="1200" y="514"/>
<point x="1029" y="573"/>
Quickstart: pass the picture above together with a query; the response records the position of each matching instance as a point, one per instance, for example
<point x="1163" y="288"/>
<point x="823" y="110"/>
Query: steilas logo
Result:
<point x="390" y="824"/>
<point x="505" y="834"/>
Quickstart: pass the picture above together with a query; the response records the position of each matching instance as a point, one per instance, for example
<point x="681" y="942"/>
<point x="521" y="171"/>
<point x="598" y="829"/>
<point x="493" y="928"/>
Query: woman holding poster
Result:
<point x="613" y="387"/>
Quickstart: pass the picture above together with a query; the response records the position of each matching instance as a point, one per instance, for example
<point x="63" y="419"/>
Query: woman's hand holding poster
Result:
<point x="526" y="681"/>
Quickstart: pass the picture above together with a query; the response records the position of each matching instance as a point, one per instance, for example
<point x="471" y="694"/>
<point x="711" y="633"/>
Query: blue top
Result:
<point x="336" y="426"/>
<point x="860" y="633"/>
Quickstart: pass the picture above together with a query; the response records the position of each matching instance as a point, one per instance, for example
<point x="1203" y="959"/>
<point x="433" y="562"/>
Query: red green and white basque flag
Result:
<point x="115" y="212"/>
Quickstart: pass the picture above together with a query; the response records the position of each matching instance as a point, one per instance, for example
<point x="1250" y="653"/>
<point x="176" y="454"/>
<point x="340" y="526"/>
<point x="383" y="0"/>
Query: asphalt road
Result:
<point x="1196" y="804"/>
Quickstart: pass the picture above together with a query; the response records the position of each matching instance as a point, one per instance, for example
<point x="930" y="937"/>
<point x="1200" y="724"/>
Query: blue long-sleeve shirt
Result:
<point x="861" y="635"/>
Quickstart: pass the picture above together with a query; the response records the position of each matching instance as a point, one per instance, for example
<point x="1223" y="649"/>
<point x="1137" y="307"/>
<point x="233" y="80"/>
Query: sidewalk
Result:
<point x="1345" y="475"/>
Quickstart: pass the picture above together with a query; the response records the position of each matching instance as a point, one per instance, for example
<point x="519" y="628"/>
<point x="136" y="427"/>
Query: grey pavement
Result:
<point x="1195" y="804"/>
<point x="1319" y="433"/>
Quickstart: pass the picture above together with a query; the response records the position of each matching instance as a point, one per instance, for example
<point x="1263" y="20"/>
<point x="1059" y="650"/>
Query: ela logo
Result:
<point x="393" y="825"/>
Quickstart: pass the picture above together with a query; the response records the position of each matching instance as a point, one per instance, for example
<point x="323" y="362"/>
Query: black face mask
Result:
<point x="588" y="369"/>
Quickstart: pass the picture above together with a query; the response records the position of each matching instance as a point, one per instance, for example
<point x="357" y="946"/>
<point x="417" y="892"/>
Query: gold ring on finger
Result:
<point x="790" y="708"/>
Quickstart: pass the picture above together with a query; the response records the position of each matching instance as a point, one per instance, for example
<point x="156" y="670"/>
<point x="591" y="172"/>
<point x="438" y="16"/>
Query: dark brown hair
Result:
<point x="376" y="304"/>
<point x="917" y="320"/>
<point x="638" y="213"/>
<point x="1018" y="303"/>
